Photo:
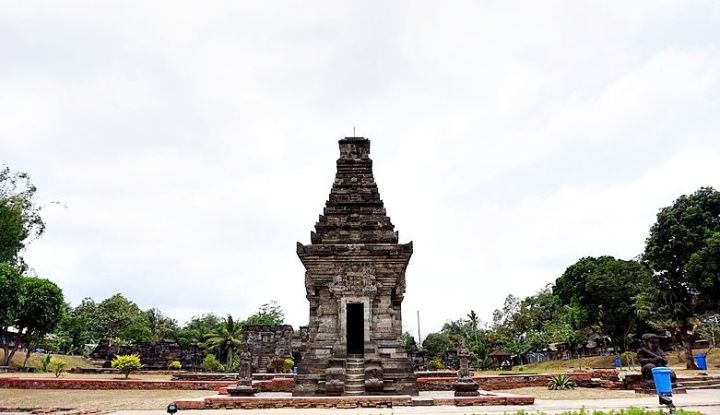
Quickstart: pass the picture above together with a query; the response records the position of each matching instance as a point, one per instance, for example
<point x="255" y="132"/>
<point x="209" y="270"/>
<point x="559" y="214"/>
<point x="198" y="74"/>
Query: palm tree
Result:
<point x="226" y="339"/>
<point x="473" y="319"/>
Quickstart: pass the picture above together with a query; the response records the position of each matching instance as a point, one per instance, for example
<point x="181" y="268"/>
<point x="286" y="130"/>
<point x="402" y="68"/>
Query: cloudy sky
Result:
<point x="191" y="144"/>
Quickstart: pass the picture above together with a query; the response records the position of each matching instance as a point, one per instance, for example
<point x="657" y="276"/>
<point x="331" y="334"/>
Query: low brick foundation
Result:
<point x="345" y="402"/>
<point x="103" y="384"/>
<point x="272" y="385"/>
<point x="602" y="378"/>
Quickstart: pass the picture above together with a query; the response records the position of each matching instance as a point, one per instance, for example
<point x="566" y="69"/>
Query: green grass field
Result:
<point x="674" y="359"/>
<point x="36" y="358"/>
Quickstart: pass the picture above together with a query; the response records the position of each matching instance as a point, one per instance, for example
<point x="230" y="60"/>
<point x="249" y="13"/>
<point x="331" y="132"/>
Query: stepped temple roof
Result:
<point x="354" y="212"/>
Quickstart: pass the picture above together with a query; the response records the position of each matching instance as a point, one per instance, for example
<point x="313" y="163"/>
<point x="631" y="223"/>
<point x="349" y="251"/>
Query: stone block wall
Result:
<point x="152" y="355"/>
<point x="265" y="342"/>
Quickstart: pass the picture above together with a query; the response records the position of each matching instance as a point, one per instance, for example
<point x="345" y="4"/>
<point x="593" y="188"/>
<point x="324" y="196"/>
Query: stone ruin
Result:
<point x="355" y="283"/>
<point x="244" y="385"/>
<point x="153" y="355"/>
<point x="264" y="342"/>
<point x="465" y="385"/>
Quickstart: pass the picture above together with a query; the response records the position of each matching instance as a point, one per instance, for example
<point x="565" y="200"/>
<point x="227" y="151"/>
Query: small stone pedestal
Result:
<point x="244" y="385"/>
<point x="243" y="388"/>
<point x="465" y="386"/>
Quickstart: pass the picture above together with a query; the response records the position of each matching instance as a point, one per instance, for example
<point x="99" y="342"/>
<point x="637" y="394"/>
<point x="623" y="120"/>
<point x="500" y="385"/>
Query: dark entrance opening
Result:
<point x="355" y="329"/>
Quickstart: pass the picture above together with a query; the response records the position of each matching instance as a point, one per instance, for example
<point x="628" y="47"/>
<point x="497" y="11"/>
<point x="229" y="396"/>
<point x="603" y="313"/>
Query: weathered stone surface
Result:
<point x="465" y="386"/>
<point x="264" y="342"/>
<point x="374" y="382"/>
<point x="152" y="355"/>
<point x="650" y="356"/>
<point x="347" y="402"/>
<point x="104" y="384"/>
<point x="355" y="281"/>
<point x="244" y="386"/>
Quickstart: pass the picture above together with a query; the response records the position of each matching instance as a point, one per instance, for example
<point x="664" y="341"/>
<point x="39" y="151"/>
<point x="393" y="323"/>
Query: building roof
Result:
<point x="354" y="212"/>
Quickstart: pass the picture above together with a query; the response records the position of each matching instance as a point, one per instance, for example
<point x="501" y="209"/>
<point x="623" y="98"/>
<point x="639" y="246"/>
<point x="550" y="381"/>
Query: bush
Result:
<point x="629" y="358"/>
<point x="280" y="364"/>
<point x="126" y="364"/>
<point x="45" y="362"/>
<point x="437" y="364"/>
<point x="289" y="363"/>
<point x="175" y="365"/>
<point x="57" y="366"/>
<point x="560" y="382"/>
<point x="211" y="364"/>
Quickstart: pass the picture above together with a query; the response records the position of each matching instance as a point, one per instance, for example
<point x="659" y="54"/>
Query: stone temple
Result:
<point x="355" y="283"/>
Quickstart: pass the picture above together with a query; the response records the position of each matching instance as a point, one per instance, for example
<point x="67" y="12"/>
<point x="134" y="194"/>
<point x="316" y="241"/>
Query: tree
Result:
<point x="197" y="329"/>
<point x="10" y="286"/>
<point x="605" y="290"/>
<point x="160" y="325"/>
<point x="117" y="317"/>
<point x="473" y="320"/>
<point x="226" y="339"/>
<point x="19" y="215"/>
<point x="468" y="332"/>
<point x="408" y="342"/>
<point x="79" y="326"/>
<point x="269" y="314"/>
<point x="436" y="345"/>
<point x="683" y="250"/>
<point x="39" y="312"/>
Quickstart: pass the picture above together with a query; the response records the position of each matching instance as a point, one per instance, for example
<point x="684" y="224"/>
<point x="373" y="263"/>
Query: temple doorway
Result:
<point x="355" y="328"/>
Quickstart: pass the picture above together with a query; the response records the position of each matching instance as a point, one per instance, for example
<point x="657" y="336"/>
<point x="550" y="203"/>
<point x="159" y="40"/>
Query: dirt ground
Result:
<point x="84" y="376"/>
<point x="108" y="400"/>
<point x="540" y="392"/>
<point x="94" y="399"/>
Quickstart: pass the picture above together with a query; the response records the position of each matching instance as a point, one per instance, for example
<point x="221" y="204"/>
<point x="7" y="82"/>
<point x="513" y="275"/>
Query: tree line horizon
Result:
<point x="667" y="289"/>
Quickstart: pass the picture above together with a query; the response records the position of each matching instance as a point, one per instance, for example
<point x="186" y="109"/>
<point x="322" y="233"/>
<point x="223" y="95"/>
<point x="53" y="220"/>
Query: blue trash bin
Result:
<point x="700" y="361"/>
<point x="663" y="384"/>
<point x="617" y="361"/>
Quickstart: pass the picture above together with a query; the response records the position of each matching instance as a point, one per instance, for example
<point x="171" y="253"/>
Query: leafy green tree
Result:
<point x="535" y="311"/>
<point x="436" y="345"/>
<point x="160" y="326"/>
<point x="268" y="314"/>
<point x="504" y="317"/>
<point x="117" y="317"/>
<point x="453" y="332"/>
<point x="683" y="250"/>
<point x="197" y="329"/>
<point x="39" y="312"/>
<point x="10" y="288"/>
<point x="408" y="342"/>
<point x="79" y="326"/>
<point x="226" y="340"/>
<point x="19" y="215"/>
<point x="605" y="289"/>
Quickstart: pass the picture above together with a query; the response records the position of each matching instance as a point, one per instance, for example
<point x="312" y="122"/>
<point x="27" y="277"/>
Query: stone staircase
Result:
<point x="705" y="382"/>
<point x="354" y="375"/>
<point x="263" y="364"/>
